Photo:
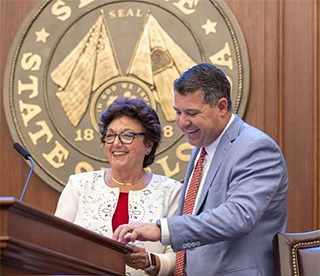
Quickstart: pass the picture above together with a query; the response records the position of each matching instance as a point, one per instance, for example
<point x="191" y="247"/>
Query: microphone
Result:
<point x="26" y="155"/>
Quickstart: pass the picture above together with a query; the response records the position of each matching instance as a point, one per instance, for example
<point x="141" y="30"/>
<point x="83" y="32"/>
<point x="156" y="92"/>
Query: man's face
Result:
<point x="201" y="123"/>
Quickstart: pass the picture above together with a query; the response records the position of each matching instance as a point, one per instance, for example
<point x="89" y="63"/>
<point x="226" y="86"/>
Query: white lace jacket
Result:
<point x="87" y="201"/>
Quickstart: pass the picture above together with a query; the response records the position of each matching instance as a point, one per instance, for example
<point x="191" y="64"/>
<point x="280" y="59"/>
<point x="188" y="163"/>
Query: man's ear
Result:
<point x="222" y="104"/>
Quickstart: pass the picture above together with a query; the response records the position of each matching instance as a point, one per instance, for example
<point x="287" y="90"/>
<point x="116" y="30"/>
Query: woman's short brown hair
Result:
<point x="136" y="109"/>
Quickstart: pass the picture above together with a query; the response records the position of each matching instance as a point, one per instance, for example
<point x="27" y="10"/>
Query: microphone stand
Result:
<point x="28" y="179"/>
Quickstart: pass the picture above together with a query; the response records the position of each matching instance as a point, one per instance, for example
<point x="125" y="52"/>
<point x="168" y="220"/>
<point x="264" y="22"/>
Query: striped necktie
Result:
<point x="189" y="205"/>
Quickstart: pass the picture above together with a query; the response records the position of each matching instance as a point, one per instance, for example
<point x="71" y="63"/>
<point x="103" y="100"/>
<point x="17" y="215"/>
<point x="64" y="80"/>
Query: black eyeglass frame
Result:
<point x="134" y="134"/>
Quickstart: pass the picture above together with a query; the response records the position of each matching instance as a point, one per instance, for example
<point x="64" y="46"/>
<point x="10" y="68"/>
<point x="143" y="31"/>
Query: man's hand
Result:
<point x="137" y="231"/>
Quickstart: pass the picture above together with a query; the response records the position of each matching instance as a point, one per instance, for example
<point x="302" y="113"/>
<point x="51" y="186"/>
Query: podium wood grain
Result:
<point x="36" y="242"/>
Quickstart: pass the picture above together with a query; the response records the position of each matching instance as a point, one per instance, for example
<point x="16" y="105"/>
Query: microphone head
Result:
<point x="21" y="150"/>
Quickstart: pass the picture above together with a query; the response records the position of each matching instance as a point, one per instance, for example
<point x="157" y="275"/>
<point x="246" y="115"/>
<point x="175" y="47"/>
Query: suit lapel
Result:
<point x="223" y="148"/>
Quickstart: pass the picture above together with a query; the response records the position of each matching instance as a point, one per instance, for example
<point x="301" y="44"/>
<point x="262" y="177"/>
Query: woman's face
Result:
<point x="126" y="157"/>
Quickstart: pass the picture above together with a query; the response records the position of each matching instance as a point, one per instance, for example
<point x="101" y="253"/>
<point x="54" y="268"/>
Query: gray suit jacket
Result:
<point x="241" y="207"/>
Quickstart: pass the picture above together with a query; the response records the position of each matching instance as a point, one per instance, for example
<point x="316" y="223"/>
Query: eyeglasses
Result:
<point x="125" y="138"/>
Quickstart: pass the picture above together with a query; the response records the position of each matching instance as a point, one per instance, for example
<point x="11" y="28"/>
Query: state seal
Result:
<point x="72" y="58"/>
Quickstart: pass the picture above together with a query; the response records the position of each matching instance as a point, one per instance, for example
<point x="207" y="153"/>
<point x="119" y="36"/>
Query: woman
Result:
<point x="124" y="193"/>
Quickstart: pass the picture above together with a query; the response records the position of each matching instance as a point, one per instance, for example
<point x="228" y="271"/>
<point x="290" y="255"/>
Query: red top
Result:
<point x="121" y="214"/>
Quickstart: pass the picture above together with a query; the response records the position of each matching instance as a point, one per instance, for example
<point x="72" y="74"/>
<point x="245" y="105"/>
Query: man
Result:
<point x="240" y="201"/>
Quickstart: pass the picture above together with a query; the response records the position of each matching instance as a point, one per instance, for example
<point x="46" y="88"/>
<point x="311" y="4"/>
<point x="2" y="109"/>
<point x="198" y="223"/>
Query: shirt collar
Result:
<point x="213" y="146"/>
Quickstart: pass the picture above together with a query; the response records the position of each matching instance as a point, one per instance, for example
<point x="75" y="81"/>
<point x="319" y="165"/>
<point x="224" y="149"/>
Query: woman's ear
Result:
<point x="149" y="146"/>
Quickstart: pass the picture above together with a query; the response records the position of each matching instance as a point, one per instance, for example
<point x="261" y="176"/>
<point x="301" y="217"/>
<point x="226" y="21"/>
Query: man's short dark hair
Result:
<point x="207" y="78"/>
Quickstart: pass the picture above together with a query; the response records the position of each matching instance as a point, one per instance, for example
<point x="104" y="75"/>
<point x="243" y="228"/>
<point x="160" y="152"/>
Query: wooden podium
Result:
<point x="36" y="242"/>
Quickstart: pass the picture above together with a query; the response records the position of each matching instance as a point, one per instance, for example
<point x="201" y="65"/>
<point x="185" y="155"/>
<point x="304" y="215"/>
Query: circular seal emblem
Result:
<point x="72" y="58"/>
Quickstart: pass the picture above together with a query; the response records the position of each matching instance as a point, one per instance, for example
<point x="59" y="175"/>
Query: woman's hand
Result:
<point x="138" y="259"/>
